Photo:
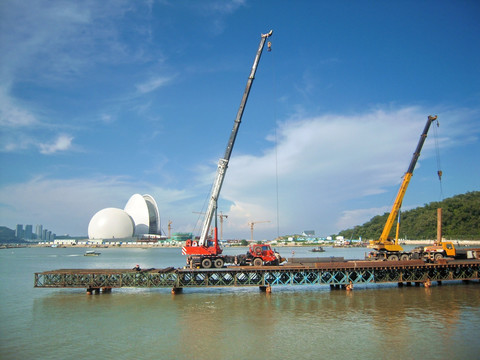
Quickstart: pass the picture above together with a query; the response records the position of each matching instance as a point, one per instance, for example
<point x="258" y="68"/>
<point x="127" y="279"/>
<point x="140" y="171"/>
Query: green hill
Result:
<point x="460" y="220"/>
<point x="8" y="236"/>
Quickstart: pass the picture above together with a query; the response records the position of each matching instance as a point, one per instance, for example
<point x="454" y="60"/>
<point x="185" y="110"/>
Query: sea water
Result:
<point x="293" y="322"/>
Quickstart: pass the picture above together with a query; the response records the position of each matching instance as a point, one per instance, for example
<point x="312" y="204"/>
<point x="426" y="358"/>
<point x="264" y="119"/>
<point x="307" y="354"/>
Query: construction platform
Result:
<point x="335" y="274"/>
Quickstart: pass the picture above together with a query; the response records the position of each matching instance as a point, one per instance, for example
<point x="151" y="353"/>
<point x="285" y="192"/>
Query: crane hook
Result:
<point x="269" y="46"/>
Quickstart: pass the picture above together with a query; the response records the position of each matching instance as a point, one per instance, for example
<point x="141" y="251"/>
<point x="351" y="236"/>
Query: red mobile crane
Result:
<point x="206" y="252"/>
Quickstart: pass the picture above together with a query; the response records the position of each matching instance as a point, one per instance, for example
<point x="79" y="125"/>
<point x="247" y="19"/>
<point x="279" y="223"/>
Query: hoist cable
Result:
<point x="439" y="165"/>
<point x="274" y="92"/>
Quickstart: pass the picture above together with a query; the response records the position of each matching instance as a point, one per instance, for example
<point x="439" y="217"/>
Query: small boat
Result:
<point x="91" y="253"/>
<point x="318" y="249"/>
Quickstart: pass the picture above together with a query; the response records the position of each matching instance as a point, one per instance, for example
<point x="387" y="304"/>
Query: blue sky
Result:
<point x="100" y="100"/>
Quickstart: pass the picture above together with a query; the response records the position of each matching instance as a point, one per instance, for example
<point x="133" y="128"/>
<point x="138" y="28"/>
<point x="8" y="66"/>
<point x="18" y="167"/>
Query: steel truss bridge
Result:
<point x="334" y="274"/>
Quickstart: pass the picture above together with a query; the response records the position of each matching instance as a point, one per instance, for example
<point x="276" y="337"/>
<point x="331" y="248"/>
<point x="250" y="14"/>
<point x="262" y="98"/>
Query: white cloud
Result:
<point x="107" y="118"/>
<point x="349" y="218"/>
<point x="63" y="143"/>
<point x="12" y="114"/>
<point x="21" y="128"/>
<point x="226" y="7"/>
<point x="36" y="49"/>
<point x="15" y="141"/>
<point x="38" y="34"/>
<point x="152" y="84"/>
<point x="71" y="203"/>
<point x="326" y="164"/>
<point x="328" y="169"/>
<point x="218" y="11"/>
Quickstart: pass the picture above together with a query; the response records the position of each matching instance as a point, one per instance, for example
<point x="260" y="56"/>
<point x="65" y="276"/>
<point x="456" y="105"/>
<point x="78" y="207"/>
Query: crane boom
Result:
<point x="223" y="162"/>
<point x="383" y="243"/>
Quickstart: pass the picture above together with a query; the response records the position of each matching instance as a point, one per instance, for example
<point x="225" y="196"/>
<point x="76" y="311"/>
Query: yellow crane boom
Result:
<point x="384" y="243"/>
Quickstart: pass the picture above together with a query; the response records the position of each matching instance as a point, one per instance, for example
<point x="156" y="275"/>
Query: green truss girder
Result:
<point x="254" y="277"/>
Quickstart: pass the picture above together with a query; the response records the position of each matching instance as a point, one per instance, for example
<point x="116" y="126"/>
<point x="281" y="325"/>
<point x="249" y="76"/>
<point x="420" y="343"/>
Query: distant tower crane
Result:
<point x="221" y="216"/>
<point x="169" y="228"/>
<point x="255" y="222"/>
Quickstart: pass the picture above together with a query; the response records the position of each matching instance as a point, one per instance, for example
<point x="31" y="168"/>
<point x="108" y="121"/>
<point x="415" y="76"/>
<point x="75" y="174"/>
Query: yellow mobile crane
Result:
<point x="386" y="248"/>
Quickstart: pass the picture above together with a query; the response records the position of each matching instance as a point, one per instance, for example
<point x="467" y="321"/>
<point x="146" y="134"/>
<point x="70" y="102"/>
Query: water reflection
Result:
<point x="302" y="322"/>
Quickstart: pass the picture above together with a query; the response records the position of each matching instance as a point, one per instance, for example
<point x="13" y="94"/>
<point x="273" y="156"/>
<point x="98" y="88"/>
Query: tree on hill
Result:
<point x="460" y="220"/>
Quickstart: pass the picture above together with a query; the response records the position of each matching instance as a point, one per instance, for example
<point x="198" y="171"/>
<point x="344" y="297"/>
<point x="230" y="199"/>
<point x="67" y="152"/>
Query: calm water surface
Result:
<point x="304" y="322"/>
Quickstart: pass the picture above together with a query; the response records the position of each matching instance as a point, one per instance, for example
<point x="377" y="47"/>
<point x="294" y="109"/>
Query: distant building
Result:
<point x="181" y="236"/>
<point x="310" y="233"/>
<point x="39" y="232"/>
<point x="65" y="242"/>
<point x="28" y="234"/>
<point x="19" y="231"/>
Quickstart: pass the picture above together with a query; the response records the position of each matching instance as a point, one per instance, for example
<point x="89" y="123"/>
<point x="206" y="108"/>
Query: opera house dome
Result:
<point x="110" y="223"/>
<point x="139" y="217"/>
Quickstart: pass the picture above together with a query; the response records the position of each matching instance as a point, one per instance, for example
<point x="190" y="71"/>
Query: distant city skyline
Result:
<point x="28" y="235"/>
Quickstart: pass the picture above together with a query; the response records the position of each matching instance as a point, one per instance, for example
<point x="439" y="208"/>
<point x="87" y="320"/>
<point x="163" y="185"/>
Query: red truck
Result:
<point x="257" y="255"/>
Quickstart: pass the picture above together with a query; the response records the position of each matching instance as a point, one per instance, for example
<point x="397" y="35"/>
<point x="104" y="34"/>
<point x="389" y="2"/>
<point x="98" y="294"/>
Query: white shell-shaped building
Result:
<point x="144" y="212"/>
<point x="139" y="217"/>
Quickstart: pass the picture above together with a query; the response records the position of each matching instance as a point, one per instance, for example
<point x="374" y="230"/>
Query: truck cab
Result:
<point x="447" y="249"/>
<point x="261" y="254"/>
<point x="435" y="252"/>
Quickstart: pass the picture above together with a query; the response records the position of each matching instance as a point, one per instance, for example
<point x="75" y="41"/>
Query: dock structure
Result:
<point x="335" y="274"/>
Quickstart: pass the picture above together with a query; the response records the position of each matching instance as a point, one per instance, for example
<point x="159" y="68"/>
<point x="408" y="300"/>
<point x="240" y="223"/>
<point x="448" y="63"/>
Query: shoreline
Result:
<point x="167" y="245"/>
